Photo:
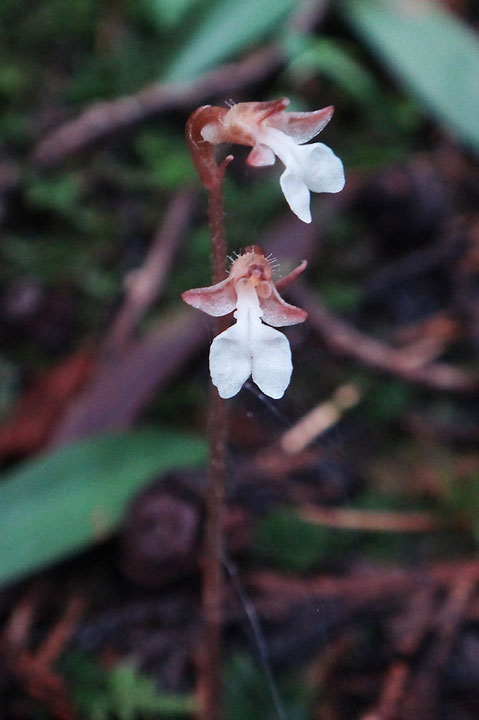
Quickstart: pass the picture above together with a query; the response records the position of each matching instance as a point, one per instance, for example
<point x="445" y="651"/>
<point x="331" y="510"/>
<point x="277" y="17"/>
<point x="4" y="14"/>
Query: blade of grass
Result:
<point x="435" y="55"/>
<point x="229" y="27"/>
<point x="58" y="504"/>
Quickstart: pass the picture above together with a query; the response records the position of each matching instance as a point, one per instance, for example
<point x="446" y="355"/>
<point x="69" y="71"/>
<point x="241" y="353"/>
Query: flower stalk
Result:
<point x="210" y="654"/>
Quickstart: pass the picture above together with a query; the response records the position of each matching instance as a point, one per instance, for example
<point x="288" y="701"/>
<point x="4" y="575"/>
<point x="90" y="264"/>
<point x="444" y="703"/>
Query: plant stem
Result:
<point x="212" y="581"/>
<point x="217" y="228"/>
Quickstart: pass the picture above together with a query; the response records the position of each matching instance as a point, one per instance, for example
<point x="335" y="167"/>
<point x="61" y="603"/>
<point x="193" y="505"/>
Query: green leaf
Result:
<point x="248" y="693"/>
<point x="433" y="53"/>
<point x="60" y="193"/>
<point x="340" y="297"/>
<point x="121" y="692"/>
<point x="334" y="60"/>
<point x="60" y="503"/>
<point x="462" y="500"/>
<point x="287" y="541"/>
<point x="166" y="13"/>
<point x="166" y="158"/>
<point x="229" y="26"/>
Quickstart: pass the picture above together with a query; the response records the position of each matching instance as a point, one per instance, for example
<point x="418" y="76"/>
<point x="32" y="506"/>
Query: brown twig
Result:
<point x="104" y="118"/>
<point x="15" y="634"/>
<point x="423" y="698"/>
<point x="144" y="286"/>
<point x="371" y="520"/>
<point x="411" y="630"/>
<point x="319" y="419"/>
<point x="391" y="694"/>
<point x="55" y="642"/>
<point x="35" y="670"/>
<point x="107" y="401"/>
<point x="40" y="410"/>
<point x="344" y="339"/>
<point x="359" y="585"/>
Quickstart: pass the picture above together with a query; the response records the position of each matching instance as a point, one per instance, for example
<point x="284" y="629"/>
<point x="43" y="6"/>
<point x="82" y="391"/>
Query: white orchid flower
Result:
<point x="274" y="133"/>
<point x="249" y="347"/>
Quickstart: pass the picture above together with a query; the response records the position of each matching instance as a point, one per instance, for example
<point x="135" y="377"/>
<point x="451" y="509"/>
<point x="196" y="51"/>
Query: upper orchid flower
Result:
<point x="249" y="347"/>
<point x="272" y="132"/>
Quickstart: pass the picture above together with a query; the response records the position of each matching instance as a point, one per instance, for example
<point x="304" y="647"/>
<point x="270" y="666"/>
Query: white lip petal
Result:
<point x="296" y="193"/>
<point x="322" y="170"/>
<point x="272" y="366"/>
<point x="230" y="361"/>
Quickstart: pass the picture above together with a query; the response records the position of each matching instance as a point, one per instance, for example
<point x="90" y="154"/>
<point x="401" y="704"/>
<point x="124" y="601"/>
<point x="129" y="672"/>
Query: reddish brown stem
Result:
<point x="212" y="585"/>
<point x="210" y="659"/>
<point x="218" y="241"/>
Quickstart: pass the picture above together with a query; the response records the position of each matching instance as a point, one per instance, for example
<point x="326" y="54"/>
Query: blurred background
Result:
<point x="352" y="523"/>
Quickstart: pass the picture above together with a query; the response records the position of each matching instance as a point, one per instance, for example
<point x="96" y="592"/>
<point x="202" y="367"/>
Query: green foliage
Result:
<point x="113" y="73"/>
<point x="58" y="504"/>
<point x="248" y="695"/>
<point x="13" y="81"/>
<point x="53" y="258"/>
<point x="335" y="61"/>
<point x="461" y="502"/>
<point x="120" y="692"/>
<point x="166" y="158"/>
<point x="229" y="27"/>
<point x="340" y="296"/>
<point x="8" y="386"/>
<point x="386" y="399"/>
<point x="166" y="13"/>
<point x="250" y="206"/>
<point x="60" y="192"/>
<point x="290" y="543"/>
<point x="433" y="53"/>
<point x="195" y="268"/>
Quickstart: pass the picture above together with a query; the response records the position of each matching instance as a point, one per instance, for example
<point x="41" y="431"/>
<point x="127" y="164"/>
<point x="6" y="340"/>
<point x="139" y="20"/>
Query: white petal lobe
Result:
<point x="296" y="194"/>
<point x="230" y="361"/>
<point x="271" y="361"/>
<point x="322" y="170"/>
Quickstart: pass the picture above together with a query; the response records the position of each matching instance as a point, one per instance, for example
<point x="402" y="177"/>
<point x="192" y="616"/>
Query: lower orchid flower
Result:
<point x="250" y="347"/>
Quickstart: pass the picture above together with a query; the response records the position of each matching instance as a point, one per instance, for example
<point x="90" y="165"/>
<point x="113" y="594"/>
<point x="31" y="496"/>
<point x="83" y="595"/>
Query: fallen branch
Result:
<point x="343" y="339"/>
<point x="424" y="696"/>
<point x="320" y="419"/>
<point x="104" y="118"/>
<point x="372" y="520"/>
<point x="119" y="390"/>
<point x="144" y="285"/>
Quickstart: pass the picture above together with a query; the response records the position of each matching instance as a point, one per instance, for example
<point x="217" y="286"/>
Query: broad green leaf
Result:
<point x="230" y="26"/>
<point x="60" y="503"/>
<point x="433" y="53"/>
